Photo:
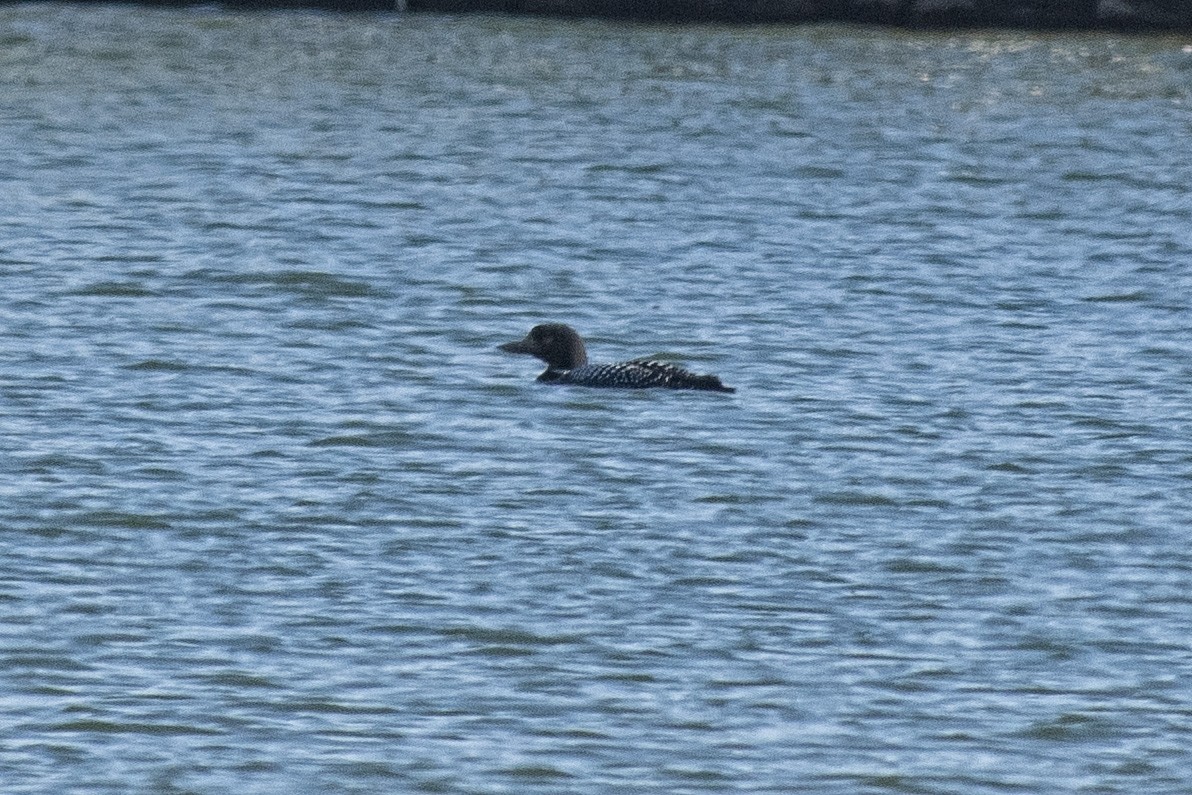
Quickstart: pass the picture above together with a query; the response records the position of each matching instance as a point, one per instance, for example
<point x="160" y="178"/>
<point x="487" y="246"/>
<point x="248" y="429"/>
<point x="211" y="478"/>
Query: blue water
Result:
<point x="278" y="517"/>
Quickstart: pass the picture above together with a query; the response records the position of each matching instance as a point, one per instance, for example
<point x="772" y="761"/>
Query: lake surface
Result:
<point x="277" y="517"/>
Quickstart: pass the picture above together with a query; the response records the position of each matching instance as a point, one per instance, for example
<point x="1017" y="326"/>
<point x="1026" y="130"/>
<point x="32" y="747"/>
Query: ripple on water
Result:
<point x="278" y="514"/>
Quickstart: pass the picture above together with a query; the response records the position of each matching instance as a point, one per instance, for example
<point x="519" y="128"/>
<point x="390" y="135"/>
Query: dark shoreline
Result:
<point x="1041" y="15"/>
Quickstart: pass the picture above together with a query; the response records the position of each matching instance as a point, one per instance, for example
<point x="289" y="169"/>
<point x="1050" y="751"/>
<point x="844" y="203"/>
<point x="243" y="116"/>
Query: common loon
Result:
<point x="567" y="363"/>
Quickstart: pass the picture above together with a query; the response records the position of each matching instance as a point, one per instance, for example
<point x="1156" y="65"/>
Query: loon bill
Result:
<point x="567" y="363"/>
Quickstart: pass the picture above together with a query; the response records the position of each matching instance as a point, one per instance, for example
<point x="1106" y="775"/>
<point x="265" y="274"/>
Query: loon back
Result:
<point x="567" y="363"/>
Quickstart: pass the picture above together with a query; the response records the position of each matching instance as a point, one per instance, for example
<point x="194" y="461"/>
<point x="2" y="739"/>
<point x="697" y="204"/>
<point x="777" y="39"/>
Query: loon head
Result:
<point x="554" y="343"/>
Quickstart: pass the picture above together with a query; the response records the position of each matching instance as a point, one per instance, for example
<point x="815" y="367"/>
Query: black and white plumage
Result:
<point x="567" y="363"/>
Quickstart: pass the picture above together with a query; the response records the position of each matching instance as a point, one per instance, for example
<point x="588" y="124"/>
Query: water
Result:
<point x="277" y="516"/>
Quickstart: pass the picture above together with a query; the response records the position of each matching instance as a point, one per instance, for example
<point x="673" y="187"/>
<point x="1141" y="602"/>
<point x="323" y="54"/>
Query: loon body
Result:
<point x="567" y="363"/>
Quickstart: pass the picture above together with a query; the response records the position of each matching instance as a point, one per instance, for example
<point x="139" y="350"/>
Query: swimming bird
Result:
<point x="567" y="363"/>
